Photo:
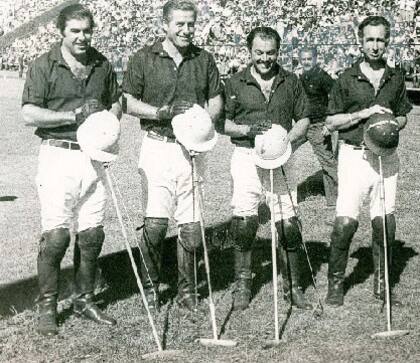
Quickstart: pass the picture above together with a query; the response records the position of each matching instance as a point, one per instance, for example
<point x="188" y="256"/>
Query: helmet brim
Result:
<point x="273" y="163"/>
<point x="377" y="150"/>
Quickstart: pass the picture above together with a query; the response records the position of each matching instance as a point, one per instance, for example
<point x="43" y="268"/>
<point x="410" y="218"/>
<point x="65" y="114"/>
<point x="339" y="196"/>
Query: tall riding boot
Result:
<point x="243" y="277"/>
<point x="186" y="291"/>
<point x="341" y="236"/>
<point x="379" y="256"/>
<point x="52" y="247"/>
<point x="189" y="238"/>
<point x="290" y="262"/>
<point x="243" y="231"/>
<point x="89" y="244"/>
<point x="297" y="296"/>
<point x="154" y="232"/>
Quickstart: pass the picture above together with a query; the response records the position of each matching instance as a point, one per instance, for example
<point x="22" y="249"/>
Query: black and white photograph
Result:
<point x="209" y="181"/>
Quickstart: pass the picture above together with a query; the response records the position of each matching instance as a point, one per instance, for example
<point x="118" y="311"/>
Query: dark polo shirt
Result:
<point x="51" y="84"/>
<point x="317" y="84"/>
<point x="152" y="77"/>
<point x="353" y="92"/>
<point x="245" y="103"/>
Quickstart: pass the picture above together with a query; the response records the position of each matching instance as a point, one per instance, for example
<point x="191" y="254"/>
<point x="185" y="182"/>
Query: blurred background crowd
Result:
<point x="124" y="26"/>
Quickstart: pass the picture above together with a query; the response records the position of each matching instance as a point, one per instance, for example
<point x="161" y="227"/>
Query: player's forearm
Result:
<point x="234" y="130"/>
<point x="299" y="129"/>
<point x="215" y="107"/>
<point x="342" y="121"/>
<point x="42" y="117"/>
<point x="140" y="109"/>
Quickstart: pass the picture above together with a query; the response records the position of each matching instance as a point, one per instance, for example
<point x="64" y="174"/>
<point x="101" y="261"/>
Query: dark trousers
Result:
<point x="323" y="151"/>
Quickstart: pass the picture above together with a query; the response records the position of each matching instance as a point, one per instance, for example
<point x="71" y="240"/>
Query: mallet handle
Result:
<point x="274" y="256"/>
<point x="386" y="268"/>
<point x="133" y="263"/>
<point x="206" y="257"/>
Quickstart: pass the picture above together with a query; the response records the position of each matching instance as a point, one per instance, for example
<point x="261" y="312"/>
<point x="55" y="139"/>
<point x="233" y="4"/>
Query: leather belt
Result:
<point x="155" y="136"/>
<point x="70" y="145"/>
<point x="355" y="147"/>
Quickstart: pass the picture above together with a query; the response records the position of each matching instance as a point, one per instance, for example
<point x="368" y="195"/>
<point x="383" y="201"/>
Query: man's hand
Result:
<point x="367" y="112"/>
<point x="258" y="128"/>
<point x="89" y="107"/>
<point x="168" y="112"/>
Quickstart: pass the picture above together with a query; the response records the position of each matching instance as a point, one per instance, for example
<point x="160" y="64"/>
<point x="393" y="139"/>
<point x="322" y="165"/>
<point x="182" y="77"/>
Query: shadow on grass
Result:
<point x="116" y="279"/>
<point x="364" y="267"/>
<point x="317" y="253"/>
<point x="311" y="186"/>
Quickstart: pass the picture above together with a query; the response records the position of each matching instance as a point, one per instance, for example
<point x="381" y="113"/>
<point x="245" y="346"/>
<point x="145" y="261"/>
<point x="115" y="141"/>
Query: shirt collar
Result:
<point x="193" y="51"/>
<point x="248" y="77"/>
<point x="94" y="57"/>
<point x="355" y="71"/>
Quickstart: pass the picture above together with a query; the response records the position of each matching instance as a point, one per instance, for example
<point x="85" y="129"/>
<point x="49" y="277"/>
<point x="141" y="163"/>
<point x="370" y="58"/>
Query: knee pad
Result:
<point x="189" y="236"/>
<point x="343" y="232"/>
<point x="90" y="242"/>
<point x="154" y="231"/>
<point x="53" y="245"/>
<point x="290" y="236"/>
<point x="243" y="231"/>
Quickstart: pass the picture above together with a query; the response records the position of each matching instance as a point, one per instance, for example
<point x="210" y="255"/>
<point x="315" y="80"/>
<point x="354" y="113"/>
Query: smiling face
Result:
<point x="77" y="36"/>
<point x="180" y="27"/>
<point x="264" y="54"/>
<point x="374" y="43"/>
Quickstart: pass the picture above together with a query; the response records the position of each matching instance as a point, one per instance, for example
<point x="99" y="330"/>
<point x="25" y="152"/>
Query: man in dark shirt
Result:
<point x="367" y="88"/>
<point x="162" y="81"/>
<point x="63" y="87"/>
<point x="261" y="95"/>
<point x="317" y="84"/>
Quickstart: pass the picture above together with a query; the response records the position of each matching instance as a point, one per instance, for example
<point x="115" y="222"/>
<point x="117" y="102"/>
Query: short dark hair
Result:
<point x="263" y="32"/>
<point x="308" y="49"/>
<point x="74" y="11"/>
<point x="375" y="20"/>
<point x="172" y="5"/>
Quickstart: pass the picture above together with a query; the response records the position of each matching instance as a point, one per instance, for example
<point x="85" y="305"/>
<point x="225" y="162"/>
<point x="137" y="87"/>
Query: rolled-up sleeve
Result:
<point x="230" y="100"/>
<point x="300" y="104"/>
<point x="336" y="101"/>
<point x="214" y="83"/>
<point x="133" y="82"/>
<point x="35" y="88"/>
<point x="114" y="87"/>
<point x="403" y="105"/>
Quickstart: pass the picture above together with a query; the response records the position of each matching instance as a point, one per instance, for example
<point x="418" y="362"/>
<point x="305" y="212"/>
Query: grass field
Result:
<point x="339" y="335"/>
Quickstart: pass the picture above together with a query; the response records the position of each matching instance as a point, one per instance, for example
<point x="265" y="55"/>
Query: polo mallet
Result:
<point x="389" y="333"/>
<point x="194" y="186"/>
<point x="215" y="341"/>
<point x="276" y="340"/>
<point x="160" y="352"/>
<point x="319" y="308"/>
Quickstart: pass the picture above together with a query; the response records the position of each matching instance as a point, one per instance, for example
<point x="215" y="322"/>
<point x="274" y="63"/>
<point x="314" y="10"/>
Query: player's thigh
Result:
<point x="390" y="169"/>
<point x="353" y="181"/>
<point x="247" y="188"/>
<point x="157" y="178"/>
<point x="58" y="182"/>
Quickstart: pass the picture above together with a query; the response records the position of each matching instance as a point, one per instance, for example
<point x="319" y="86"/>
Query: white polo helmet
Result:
<point x="98" y="136"/>
<point x="194" y="129"/>
<point x="272" y="149"/>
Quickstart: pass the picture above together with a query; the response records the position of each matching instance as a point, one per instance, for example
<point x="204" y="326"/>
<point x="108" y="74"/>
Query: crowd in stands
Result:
<point x="124" y="26"/>
<point x="17" y="13"/>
